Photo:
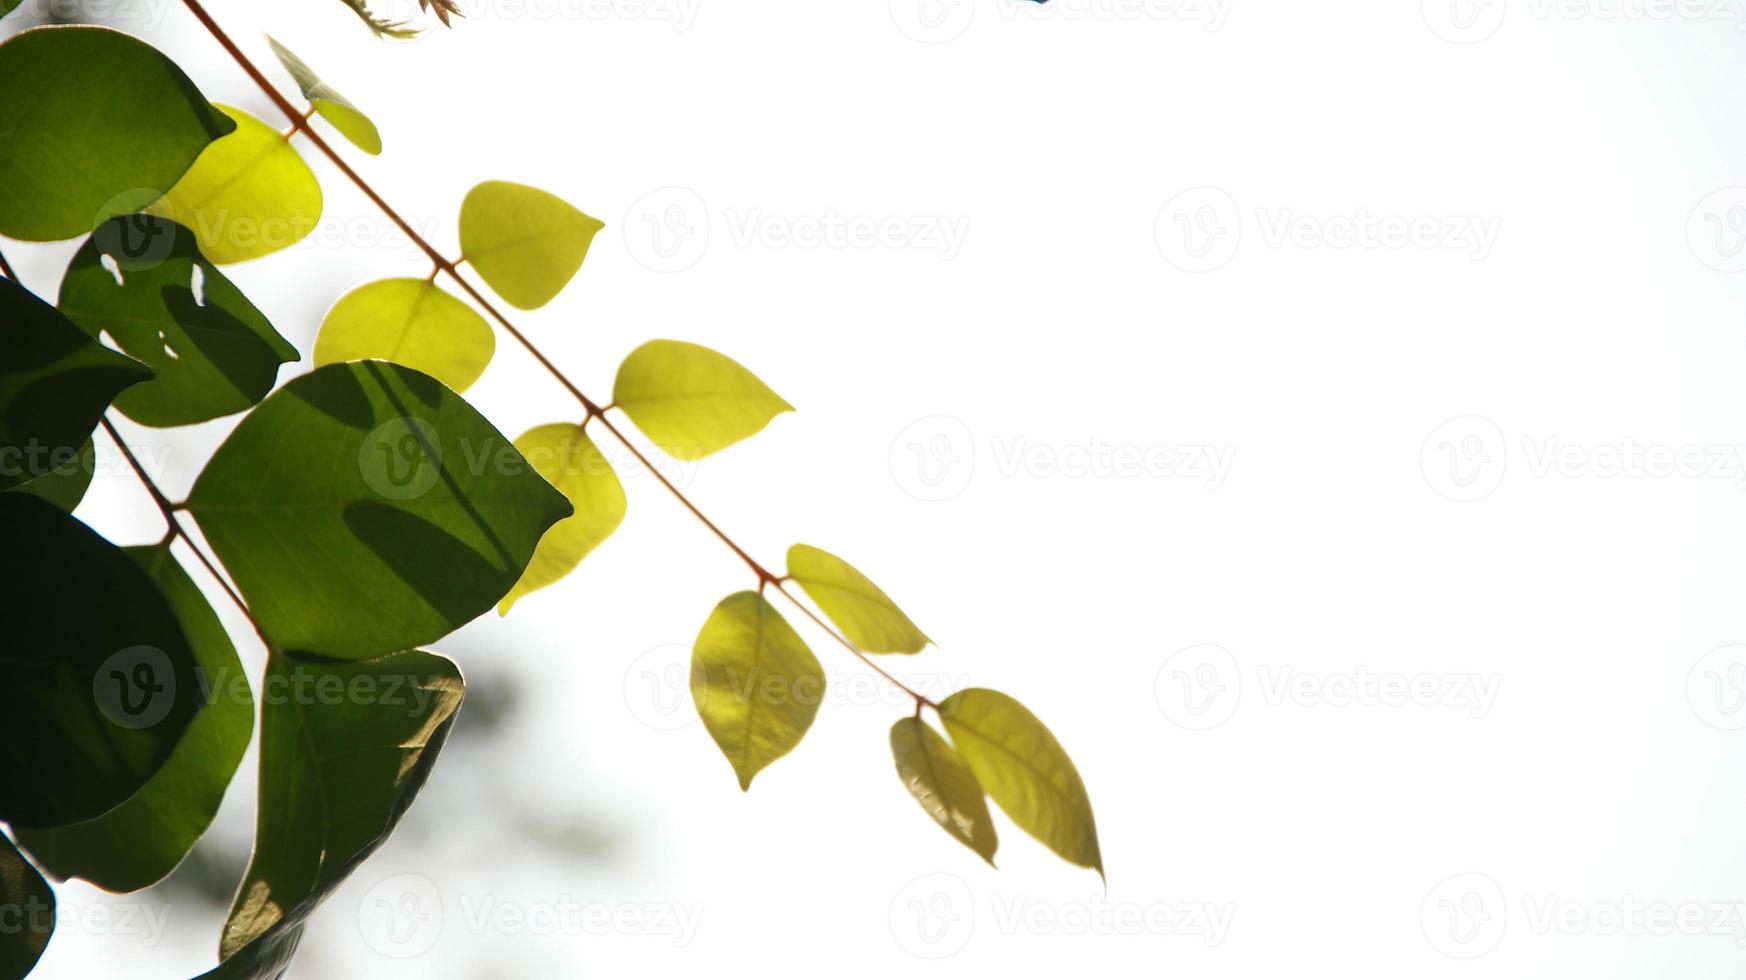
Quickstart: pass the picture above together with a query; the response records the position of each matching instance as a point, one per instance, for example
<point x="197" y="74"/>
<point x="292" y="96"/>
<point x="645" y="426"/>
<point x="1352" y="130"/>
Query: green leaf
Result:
<point x="29" y="904"/>
<point x="250" y="194"/>
<point x="939" y="781"/>
<point x="55" y="383"/>
<point x="754" y="682"/>
<point x="364" y="509"/>
<point x="64" y="486"/>
<point x="410" y="322"/>
<point x="866" y="615"/>
<point x="143" y="839"/>
<point x="338" y="771"/>
<point x="97" y="681"/>
<point x="569" y="460"/>
<point x="692" y="401"/>
<point x="525" y="242"/>
<point x="109" y="125"/>
<point x="329" y="104"/>
<point x="7" y="6"/>
<point x="1019" y="763"/>
<point x="142" y="280"/>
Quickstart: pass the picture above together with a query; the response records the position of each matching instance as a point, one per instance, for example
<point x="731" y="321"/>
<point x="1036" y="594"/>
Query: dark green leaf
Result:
<point x="143" y="839"/>
<point x="29" y="907"/>
<point x="97" y="681"/>
<point x="938" y="779"/>
<point x="364" y="509"/>
<point x="1017" y="760"/>
<point x="212" y="352"/>
<point x="344" y="749"/>
<point x="65" y="486"/>
<point x="55" y="383"/>
<point x="110" y="124"/>
<point x="754" y="682"/>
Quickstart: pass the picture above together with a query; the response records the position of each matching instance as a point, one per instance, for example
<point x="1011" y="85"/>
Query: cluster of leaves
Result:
<point x="362" y="510"/>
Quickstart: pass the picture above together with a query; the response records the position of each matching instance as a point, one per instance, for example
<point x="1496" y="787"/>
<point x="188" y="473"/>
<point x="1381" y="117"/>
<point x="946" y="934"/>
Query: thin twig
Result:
<point x="448" y="268"/>
<point x="176" y="529"/>
<point x="6" y="267"/>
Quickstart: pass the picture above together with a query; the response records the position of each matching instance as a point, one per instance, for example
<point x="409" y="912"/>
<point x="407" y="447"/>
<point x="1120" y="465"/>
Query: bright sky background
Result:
<point x="1035" y="331"/>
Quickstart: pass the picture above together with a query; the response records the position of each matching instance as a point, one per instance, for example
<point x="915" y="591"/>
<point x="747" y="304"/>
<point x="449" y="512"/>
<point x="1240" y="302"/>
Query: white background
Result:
<point x="1571" y="543"/>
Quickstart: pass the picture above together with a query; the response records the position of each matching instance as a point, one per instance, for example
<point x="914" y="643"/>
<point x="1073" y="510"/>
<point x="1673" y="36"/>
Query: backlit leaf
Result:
<point x="754" y="682"/>
<point x="410" y="322"/>
<point x="866" y="615"/>
<point x="143" y="839"/>
<point x="29" y="904"/>
<point x="97" y="681"/>
<point x="569" y="460"/>
<point x="109" y="125"/>
<point x="940" y="782"/>
<point x="1019" y="763"/>
<point x="338" y="771"/>
<point x="364" y="509"/>
<point x="525" y="242"/>
<point x="64" y="486"/>
<point x="692" y="401"/>
<point x="329" y="104"/>
<point x="250" y="194"/>
<point x="55" y="383"/>
<point x="142" y="280"/>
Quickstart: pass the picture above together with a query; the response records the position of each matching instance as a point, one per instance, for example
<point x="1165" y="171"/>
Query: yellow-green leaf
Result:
<point x="864" y="613"/>
<point x="1019" y="763"/>
<point x="411" y="322"/>
<point x="945" y="788"/>
<point x="569" y="460"/>
<point x="692" y="401"/>
<point x="754" y="682"/>
<point x="329" y="104"/>
<point x="249" y="194"/>
<point x="525" y="242"/>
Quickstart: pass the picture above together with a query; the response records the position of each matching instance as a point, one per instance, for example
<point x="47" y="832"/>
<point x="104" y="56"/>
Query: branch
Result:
<point x="593" y="409"/>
